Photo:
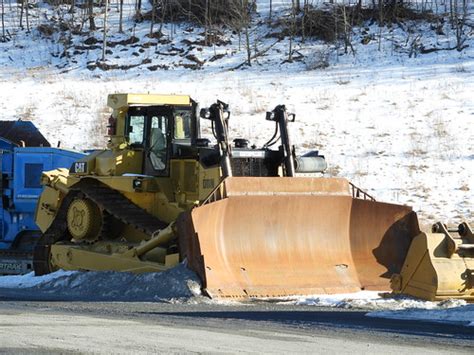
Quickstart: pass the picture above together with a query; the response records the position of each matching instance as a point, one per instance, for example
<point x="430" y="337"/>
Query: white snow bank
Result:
<point x="175" y="285"/>
<point x="30" y="280"/>
<point x="370" y="300"/>
<point x="458" y="315"/>
<point x="385" y="305"/>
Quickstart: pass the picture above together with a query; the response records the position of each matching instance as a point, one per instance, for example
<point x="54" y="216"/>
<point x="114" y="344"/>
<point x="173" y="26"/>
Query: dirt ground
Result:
<point x="93" y="327"/>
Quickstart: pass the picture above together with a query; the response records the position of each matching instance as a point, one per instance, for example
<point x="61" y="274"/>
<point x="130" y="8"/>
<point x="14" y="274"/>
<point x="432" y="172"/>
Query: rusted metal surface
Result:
<point x="380" y="236"/>
<point x="273" y="237"/>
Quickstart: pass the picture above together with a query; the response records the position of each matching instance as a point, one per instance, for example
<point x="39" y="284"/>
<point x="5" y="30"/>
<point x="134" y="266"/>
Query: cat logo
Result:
<point x="80" y="167"/>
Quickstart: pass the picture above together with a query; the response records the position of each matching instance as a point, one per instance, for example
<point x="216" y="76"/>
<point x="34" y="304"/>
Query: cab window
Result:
<point x="158" y="142"/>
<point x="136" y="129"/>
<point x="182" y="124"/>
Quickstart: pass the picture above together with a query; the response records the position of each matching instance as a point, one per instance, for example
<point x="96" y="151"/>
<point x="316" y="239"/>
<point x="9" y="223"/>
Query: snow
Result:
<point x="395" y="123"/>
<point x="385" y="305"/>
<point x="397" y="126"/>
<point x="30" y="280"/>
<point x="404" y="134"/>
<point x="178" y="284"/>
<point x="369" y="300"/>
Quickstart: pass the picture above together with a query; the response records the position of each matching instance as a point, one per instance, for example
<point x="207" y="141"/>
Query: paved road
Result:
<point x="95" y="327"/>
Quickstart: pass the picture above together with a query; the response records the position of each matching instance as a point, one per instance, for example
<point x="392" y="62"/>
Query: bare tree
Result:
<point x="207" y="21"/>
<point x="27" y="15"/>
<point x="153" y="14"/>
<point x="22" y="9"/>
<point x="296" y="5"/>
<point x="138" y="9"/>
<point x="347" y="30"/>
<point x="3" y="21"/>
<point x="90" y="7"/>
<point x="292" y="28"/>
<point x="120" y="16"/>
<point x="104" y="41"/>
<point x="458" y="22"/>
<point x="239" y="19"/>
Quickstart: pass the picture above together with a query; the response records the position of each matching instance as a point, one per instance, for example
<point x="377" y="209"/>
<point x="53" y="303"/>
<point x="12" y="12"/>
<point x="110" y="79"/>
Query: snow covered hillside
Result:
<point x="393" y="117"/>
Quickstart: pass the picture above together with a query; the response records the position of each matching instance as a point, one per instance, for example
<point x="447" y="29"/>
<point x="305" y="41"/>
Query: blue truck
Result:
<point x="24" y="155"/>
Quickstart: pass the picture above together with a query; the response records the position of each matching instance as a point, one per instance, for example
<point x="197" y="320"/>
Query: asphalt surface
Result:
<point x="133" y="327"/>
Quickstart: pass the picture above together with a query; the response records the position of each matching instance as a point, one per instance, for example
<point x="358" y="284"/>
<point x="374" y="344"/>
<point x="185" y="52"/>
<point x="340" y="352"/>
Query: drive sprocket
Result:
<point x="84" y="220"/>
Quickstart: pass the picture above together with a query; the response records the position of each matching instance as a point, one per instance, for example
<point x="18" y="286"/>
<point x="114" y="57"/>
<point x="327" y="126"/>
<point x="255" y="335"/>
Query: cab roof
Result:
<point x="117" y="101"/>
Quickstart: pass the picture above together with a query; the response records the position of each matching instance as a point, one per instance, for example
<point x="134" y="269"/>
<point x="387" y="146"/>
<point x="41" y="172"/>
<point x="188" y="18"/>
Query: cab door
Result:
<point x="158" y="142"/>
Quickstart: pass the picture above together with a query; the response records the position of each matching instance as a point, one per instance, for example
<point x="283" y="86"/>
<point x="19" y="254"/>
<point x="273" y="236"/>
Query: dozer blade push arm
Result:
<point x="311" y="162"/>
<point x="281" y="117"/>
<point x="220" y="129"/>
<point x="121" y="258"/>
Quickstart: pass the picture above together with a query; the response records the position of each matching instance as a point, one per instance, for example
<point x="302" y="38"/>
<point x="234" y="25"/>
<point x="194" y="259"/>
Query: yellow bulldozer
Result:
<point x="251" y="222"/>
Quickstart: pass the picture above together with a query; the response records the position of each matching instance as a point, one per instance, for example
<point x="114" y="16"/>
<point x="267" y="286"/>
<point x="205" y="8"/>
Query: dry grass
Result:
<point x="333" y="170"/>
<point x="27" y="112"/>
<point x="98" y="128"/>
<point x="318" y="60"/>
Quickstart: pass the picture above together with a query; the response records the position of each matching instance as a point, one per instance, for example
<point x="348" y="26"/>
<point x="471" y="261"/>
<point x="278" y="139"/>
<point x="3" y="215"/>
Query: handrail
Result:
<point x="218" y="194"/>
<point x="357" y="192"/>
<point x="215" y="194"/>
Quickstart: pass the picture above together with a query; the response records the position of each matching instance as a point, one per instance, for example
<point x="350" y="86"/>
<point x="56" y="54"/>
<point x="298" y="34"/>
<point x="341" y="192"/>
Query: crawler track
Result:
<point x="108" y="200"/>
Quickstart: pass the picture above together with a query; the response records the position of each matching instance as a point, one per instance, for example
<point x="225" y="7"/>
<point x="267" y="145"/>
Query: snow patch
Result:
<point x="175" y="285"/>
<point x="30" y="280"/>
<point x="369" y="300"/>
<point x="386" y="305"/>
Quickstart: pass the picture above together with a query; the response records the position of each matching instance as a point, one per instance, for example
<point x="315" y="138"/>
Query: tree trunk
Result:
<point x="153" y="12"/>
<point x="249" y="48"/>
<point x="296" y="5"/>
<point x="73" y="5"/>
<point x="190" y="4"/>
<point x="206" y="22"/>
<point x="121" y="16"/>
<point x="163" y="11"/>
<point x="3" y="20"/>
<point x="104" y="42"/>
<point x="91" y="15"/>
<point x="138" y="8"/>
<point x="292" y="29"/>
<point x="22" y="7"/>
<point x="27" y="17"/>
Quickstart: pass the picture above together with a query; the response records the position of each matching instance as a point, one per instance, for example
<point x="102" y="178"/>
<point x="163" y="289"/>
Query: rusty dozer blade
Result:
<point x="273" y="237"/>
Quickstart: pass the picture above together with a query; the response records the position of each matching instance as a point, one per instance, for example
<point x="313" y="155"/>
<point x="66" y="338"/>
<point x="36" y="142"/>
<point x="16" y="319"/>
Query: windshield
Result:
<point x="136" y="129"/>
<point x="182" y="124"/>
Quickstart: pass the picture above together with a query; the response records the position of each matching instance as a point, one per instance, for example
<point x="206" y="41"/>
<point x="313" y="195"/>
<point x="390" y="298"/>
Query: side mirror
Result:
<point x="270" y="116"/>
<point x="205" y="113"/>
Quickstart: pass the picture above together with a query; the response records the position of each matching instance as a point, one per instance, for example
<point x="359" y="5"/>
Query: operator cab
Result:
<point x="159" y="130"/>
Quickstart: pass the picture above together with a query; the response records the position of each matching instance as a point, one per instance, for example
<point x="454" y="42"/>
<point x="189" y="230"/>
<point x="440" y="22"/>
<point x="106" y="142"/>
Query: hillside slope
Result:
<point x="394" y="120"/>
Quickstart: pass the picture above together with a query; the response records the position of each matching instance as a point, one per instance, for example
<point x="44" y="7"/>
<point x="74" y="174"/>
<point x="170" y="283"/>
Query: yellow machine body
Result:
<point x="120" y="168"/>
<point x="438" y="266"/>
<point x="241" y="218"/>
